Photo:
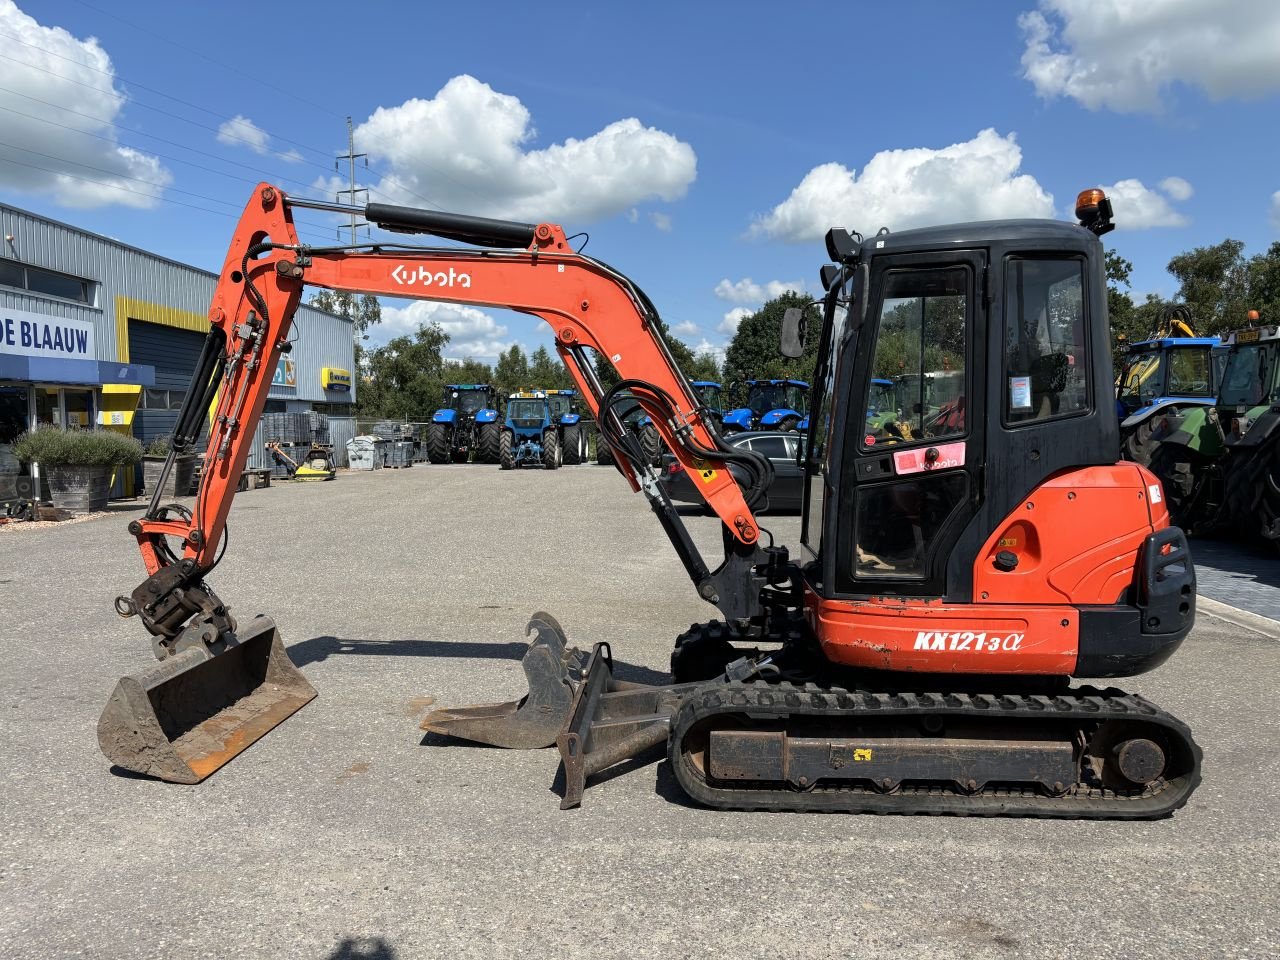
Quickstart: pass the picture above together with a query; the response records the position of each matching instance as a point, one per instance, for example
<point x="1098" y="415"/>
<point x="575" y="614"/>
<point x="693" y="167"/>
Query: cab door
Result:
<point x="911" y="482"/>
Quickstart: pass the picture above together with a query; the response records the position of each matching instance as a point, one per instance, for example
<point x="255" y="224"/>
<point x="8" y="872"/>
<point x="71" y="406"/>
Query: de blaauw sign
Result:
<point x="26" y="334"/>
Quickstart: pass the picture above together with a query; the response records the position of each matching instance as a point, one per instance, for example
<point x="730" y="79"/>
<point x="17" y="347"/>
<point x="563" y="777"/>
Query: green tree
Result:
<point x="547" y="372"/>
<point x="1264" y="283"/>
<point x="467" y="370"/>
<point x="512" y="371"/>
<point x="1213" y="282"/>
<point x="753" y="353"/>
<point x="405" y="378"/>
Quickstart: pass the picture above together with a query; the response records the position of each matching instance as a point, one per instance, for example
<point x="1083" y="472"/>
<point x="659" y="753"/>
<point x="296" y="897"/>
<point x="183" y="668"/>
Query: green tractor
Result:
<point x="1220" y="465"/>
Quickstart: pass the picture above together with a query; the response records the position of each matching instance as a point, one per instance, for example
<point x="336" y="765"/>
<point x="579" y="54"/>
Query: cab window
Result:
<point x="1046" y="359"/>
<point x="918" y="375"/>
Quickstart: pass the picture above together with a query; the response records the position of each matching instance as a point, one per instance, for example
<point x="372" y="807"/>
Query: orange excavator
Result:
<point x="915" y="658"/>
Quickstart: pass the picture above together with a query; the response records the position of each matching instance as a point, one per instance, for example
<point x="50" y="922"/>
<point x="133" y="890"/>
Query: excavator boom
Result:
<point x="589" y="306"/>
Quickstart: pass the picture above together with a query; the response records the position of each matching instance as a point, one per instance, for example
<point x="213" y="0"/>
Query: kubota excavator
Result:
<point x="915" y="659"/>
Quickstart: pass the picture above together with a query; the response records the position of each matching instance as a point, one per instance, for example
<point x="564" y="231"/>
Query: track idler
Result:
<point x="553" y="669"/>
<point x="204" y="705"/>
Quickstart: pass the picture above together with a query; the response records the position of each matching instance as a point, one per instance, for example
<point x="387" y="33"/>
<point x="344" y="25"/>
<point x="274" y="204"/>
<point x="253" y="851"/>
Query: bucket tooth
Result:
<point x="191" y="713"/>
<point x="553" y="670"/>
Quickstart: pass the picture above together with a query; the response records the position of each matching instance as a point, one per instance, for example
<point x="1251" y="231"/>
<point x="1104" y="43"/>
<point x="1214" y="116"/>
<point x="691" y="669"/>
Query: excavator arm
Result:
<point x="588" y="306"/>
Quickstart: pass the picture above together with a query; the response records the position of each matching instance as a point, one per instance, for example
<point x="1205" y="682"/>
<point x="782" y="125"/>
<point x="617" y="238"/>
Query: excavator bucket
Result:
<point x="554" y="670"/>
<point x="193" y="712"/>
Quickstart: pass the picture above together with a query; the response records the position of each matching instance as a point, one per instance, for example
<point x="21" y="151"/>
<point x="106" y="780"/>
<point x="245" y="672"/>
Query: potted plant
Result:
<point x="77" y="463"/>
<point x="180" y="477"/>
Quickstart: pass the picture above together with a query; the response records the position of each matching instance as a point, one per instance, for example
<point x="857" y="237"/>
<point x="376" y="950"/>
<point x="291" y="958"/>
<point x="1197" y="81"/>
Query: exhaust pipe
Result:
<point x="192" y="713"/>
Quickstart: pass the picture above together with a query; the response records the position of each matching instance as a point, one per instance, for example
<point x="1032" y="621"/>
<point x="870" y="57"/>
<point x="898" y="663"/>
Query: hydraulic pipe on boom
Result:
<point x="588" y="306"/>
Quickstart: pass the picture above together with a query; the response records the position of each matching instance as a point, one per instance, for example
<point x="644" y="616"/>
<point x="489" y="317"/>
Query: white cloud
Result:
<point x="49" y="64"/>
<point x="241" y="131"/>
<point x="1176" y="188"/>
<point x="472" y="332"/>
<point x="706" y="346"/>
<point x="470" y="149"/>
<point x="747" y="290"/>
<point x="633" y="215"/>
<point x="1275" y="209"/>
<point x="1124" y="55"/>
<point x="899" y="189"/>
<point x="662" y="221"/>
<point x="729" y="325"/>
<point x="1138" y="208"/>
<point x="686" y="328"/>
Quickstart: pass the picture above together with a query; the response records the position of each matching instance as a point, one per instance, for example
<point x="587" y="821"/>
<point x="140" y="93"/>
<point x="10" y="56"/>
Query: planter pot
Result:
<point x="79" y="489"/>
<point x="180" y="477"/>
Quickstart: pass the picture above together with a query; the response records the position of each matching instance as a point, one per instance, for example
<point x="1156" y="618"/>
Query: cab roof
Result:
<point x="979" y="234"/>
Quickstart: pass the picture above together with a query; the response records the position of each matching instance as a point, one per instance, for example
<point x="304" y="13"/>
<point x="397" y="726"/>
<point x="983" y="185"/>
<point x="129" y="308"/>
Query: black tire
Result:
<point x="506" y="452"/>
<point x="651" y="444"/>
<point x="490" y="440"/>
<point x="438" y="443"/>
<point x="550" y="449"/>
<point x="604" y="452"/>
<point x="788" y="424"/>
<point x="1136" y="444"/>
<point x="703" y="651"/>
<point x="573" y="444"/>
<point x="1183" y="477"/>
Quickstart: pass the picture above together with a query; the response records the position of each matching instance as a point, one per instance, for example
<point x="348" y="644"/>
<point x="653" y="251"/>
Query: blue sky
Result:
<point x="705" y="147"/>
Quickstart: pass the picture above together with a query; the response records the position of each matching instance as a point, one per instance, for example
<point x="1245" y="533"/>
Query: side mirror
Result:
<point x="792" y="339"/>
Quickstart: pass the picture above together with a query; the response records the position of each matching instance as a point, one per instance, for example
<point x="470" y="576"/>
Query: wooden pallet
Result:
<point x="253" y="479"/>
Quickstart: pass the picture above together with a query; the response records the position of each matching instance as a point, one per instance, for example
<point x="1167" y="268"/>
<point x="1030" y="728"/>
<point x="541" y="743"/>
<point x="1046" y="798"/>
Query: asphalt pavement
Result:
<point x="347" y="833"/>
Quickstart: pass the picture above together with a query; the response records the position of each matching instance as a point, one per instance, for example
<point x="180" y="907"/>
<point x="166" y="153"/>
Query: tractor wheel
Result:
<point x="550" y="450"/>
<point x="572" y="444"/>
<point x="1183" y="477"/>
<point x="703" y="651"/>
<point x="506" y="452"/>
<point x="490" y="440"/>
<point x="1136" y="445"/>
<point x="651" y="444"/>
<point x="438" y="443"/>
<point x="604" y="452"/>
<point x="1266" y="511"/>
<point x="788" y="424"/>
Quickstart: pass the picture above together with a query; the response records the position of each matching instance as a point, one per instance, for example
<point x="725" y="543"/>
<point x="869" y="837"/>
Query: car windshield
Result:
<point x="1249" y="374"/>
<point x="1142" y="376"/>
<point x="469" y="401"/>
<point x="528" y="409"/>
<point x="560" y="405"/>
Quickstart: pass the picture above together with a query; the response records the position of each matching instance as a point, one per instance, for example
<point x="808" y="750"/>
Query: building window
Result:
<point x="160" y="399"/>
<point x="47" y="282"/>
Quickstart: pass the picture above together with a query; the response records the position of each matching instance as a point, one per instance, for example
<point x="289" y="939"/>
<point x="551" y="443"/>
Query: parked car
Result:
<point x="781" y="449"/>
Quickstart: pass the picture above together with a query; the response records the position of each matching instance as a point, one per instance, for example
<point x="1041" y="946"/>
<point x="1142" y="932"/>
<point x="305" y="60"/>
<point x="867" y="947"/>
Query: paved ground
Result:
<point x="342" y="836"/>
<point x="1245" y="575"/>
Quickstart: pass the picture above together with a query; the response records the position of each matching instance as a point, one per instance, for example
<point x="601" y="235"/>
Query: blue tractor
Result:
<point x="1162" y="375"/>
<point x="771" y="405"/>
<point x="530" y="435"/>
<point x="466" y="427"/>
<point x="708" y="394"/>
<point x="574" y="439"/>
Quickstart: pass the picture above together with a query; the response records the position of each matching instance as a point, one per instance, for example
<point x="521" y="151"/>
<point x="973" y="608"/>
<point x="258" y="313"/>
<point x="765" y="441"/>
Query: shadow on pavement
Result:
<point x="362" y="948"/>
<point x="1255" y="562"/>
<point x="318" y="649"/>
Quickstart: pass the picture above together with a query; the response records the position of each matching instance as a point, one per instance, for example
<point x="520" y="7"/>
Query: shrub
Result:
<point x="159" y="447"/>
<point x="55" y="447"/>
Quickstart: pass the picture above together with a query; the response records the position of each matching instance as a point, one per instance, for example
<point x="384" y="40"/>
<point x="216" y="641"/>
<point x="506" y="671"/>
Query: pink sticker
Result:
<point x="869" y="440"/>
<point x="923" y="459"/>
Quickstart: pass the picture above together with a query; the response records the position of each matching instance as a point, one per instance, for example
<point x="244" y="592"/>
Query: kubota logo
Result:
<point x="408" y="276"/>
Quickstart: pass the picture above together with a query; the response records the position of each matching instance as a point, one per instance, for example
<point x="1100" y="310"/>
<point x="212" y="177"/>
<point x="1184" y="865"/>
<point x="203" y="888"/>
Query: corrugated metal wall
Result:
<point x="341" y="429"/>
<point x="117" y="270"/>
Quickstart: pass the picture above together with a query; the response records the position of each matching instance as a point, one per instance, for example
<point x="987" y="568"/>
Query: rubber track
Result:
<point x="1086" y="706"/>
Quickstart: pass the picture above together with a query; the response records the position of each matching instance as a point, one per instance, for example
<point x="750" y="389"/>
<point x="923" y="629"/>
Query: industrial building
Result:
<point x="96" y="332"/>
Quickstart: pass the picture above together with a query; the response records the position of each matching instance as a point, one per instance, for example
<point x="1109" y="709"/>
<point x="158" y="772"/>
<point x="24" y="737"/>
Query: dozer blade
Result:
<point x="194" y="712"/>
<point x="553" y="669"/>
